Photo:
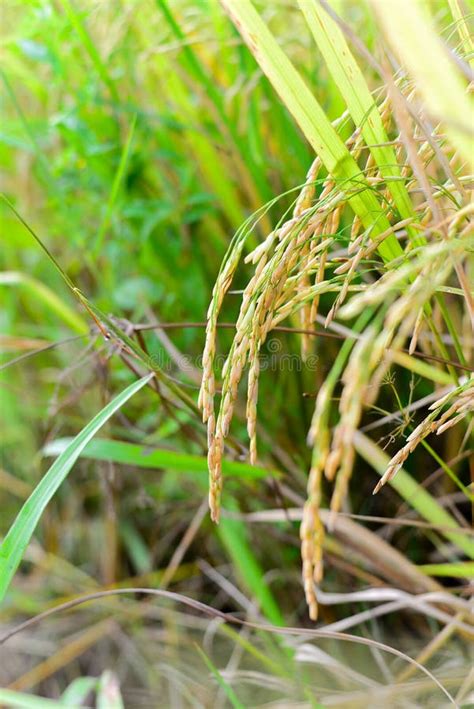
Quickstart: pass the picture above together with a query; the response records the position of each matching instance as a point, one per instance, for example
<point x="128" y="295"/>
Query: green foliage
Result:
<point x="137" y="139"/>
<point x="21" y="531"/>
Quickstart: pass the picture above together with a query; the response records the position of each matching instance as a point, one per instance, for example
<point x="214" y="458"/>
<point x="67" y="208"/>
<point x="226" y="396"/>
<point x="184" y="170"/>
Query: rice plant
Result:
<point x="302" y="173"/>
<point x="391" y="277"/>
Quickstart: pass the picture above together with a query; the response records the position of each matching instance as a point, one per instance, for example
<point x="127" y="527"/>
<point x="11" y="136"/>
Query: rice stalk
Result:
<point x="423" y="222"/>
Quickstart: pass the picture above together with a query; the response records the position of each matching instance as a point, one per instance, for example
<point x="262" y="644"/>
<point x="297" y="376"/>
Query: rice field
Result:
<point x="236" y="371"/>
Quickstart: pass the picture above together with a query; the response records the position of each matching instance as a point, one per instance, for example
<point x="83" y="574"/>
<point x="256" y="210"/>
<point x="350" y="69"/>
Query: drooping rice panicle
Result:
<point x="461" y="402"/>
<point x="320" y="248"/>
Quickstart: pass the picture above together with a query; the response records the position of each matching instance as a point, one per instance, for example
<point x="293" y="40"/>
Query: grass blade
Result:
<point x="364" y="111"/>
<point x="461" y="570"/>
<point x="42" y="293"/>
<point x="118" y="179"/>
<point x="228" y="691"/>
<point x="462" y="29"/>
<point x="27" y="701"/>
<point x="76" y="21"/>
<point x="20" y="533"/>
<point x="418" y="366"/>
<point x="312" y="119"/>
<point x="233" y="534"/>
<point x="149" y="457"/>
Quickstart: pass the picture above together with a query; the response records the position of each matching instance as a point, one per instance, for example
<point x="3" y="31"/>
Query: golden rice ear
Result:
<point x="214" y="459"/>
<point x="312" y="539"/>
<point x="461" y="404"/>
<point x="252" y="398"/>
<point x="364" y="235"/>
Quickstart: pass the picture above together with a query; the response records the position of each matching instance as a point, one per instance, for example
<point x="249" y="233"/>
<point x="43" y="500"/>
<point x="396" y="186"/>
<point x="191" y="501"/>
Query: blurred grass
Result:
<point x="136" y="138"/>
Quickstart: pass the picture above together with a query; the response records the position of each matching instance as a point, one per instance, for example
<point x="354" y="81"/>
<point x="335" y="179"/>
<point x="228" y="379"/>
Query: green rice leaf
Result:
<point x="233" y="534"/>
<point x="227" y="689"/>
<point x="461" y="570"/>
<point x="148" y="457"/>
<point x="418" y="366"/>
<point x="48" y="297"/>
<point x="364" y="111"/>
<point x="312" y="120"/>
<point x="11" y="699"/>
<point x="118" y="179"/>
<point x="21" y="531"/>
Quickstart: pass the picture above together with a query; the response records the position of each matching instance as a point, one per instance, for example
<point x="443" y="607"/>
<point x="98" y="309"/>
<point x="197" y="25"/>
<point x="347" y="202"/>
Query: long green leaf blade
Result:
<point x="10" y="698"/>
<point x="461" y="570"/>
<point x="233" y="535"/>
<point x="149" y="457"/>
<point x="351" y="83"/>
<point x="118" y="180"/>
<point x="20" y="533"/>
<point x="40" y="292"/>
<point x="311" y="118"/>
<point x="228" y="691"/>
